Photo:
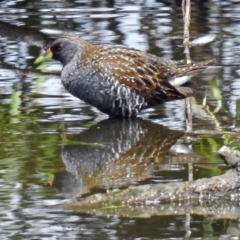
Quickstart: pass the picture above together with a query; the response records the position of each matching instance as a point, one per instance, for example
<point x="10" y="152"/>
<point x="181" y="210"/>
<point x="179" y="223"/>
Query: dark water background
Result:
<point x="54" y="148"/>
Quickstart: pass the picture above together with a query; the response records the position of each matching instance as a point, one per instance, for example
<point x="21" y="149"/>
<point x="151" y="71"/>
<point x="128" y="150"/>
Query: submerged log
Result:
<point x="218" y="210"/>
<point x="224" y="186"/>
<point x="219" y="188"/>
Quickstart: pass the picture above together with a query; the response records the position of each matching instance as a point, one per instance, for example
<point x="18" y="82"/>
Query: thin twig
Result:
<point x="186" y="9"/>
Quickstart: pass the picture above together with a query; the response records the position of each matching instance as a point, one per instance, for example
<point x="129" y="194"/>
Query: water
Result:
<point x="55" y="148"/>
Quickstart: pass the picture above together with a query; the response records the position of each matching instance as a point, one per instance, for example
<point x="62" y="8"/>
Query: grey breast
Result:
<point x="102" y="91"/>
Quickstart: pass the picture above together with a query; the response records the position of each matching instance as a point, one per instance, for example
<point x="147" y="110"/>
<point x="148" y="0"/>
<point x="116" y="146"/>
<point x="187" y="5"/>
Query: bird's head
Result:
<point x="63" y="49"/>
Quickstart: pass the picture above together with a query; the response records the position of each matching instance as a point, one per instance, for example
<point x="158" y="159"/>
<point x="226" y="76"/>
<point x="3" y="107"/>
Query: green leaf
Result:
<point x="15" y="103"/>
<point x="216" y="93"/>
<point x="43" y="58"/>
<point x="238" y="109"/>
<point x="215" y="90"/>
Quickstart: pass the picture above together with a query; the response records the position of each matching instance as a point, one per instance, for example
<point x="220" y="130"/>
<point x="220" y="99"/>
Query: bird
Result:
<point x="118" y="80"/>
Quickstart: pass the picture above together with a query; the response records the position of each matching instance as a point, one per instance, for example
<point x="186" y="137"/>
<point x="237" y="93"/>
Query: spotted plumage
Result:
<point x="118" y="80"/>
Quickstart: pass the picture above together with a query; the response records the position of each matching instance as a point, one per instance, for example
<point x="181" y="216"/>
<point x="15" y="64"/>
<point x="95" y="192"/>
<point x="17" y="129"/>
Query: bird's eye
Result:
<point x="59" y="47"/>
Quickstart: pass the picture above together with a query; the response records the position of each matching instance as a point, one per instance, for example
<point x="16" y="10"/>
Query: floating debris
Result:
<point x="203" y="40"/>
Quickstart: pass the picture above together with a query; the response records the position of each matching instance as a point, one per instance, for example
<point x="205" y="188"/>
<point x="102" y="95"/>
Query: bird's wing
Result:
<point x="147" y="74"/>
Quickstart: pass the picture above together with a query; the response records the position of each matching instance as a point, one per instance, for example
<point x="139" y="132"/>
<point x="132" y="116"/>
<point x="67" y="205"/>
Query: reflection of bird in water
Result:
<point x="113" y="153"/>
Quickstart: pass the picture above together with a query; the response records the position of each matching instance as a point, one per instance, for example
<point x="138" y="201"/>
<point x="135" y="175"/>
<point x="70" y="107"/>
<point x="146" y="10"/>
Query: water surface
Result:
<point x="55" y="148"/>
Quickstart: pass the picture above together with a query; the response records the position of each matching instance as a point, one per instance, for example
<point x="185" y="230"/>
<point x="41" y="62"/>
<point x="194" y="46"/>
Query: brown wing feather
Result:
<point x="146" y="73"/>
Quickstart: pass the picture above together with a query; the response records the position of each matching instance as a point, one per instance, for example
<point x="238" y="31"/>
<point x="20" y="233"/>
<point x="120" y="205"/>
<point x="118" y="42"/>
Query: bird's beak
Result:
<point x="46" y="56"/>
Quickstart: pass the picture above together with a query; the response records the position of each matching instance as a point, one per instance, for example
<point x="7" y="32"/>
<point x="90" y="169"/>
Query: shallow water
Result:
<point x="55" y="148"/>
